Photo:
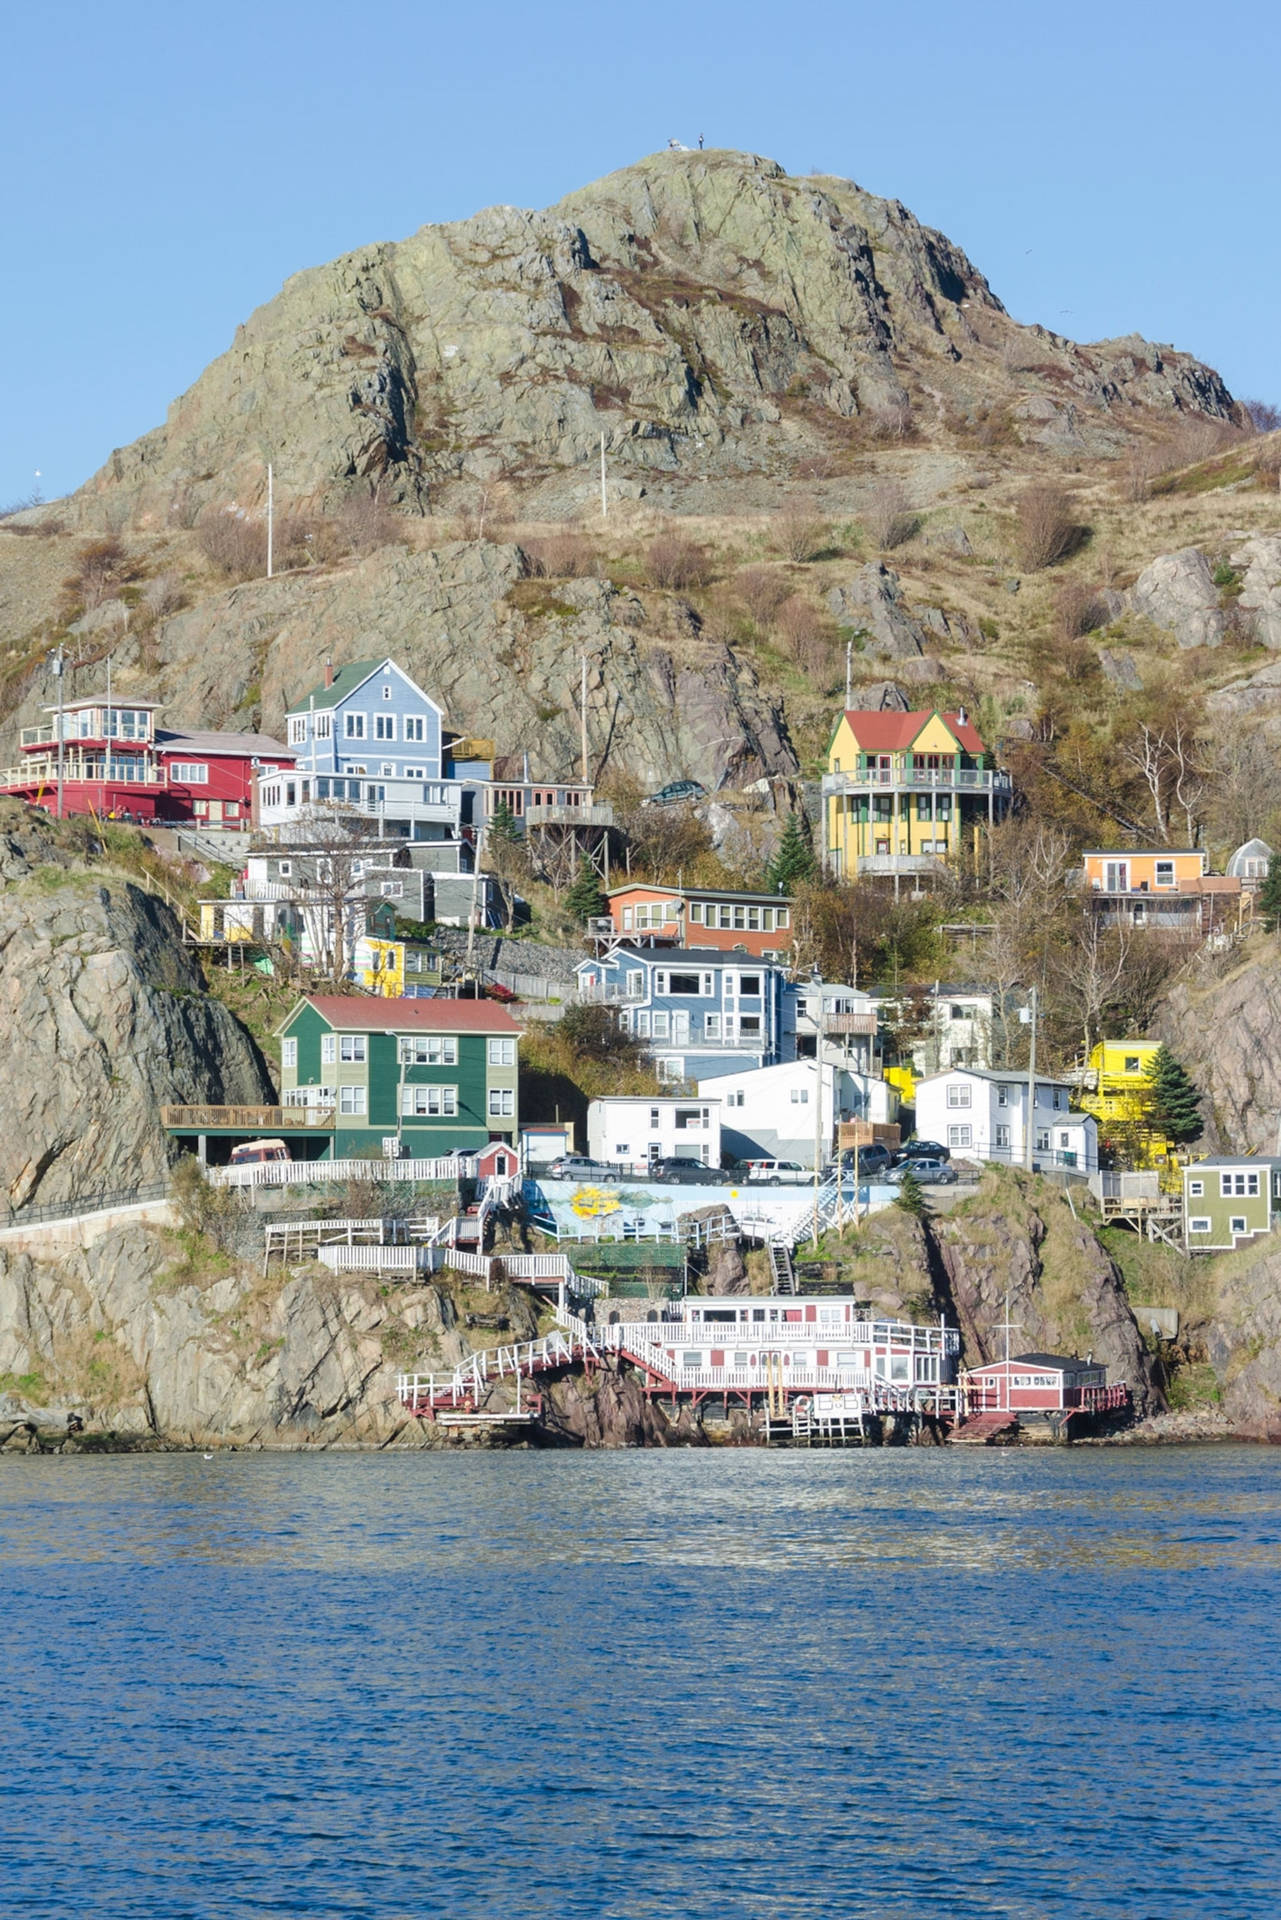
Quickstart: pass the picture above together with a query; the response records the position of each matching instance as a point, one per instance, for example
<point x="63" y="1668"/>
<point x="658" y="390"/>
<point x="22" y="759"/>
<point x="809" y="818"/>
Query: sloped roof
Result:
<point x="346" y="680"/>
<point x="253" y="745"/>
<point x="884" y="731"/>
<point x="364" y="1013"/>
<point x="1047" y="1362"/>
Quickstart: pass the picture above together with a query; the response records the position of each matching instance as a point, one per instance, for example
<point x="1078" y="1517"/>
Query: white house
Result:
<point x="850" y="1026"/>
<point x="980" y="1114"/>
<point x="768" y="1113"/>
<point x="634" y="1130"/>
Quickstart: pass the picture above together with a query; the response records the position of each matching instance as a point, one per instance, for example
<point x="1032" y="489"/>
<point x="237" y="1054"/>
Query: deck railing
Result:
<point x="248" y="1119"/>
<point x="944" y="779"/>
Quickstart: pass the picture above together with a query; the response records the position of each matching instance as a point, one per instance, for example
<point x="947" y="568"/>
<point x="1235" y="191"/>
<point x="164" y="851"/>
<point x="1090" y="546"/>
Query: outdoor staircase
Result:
<point x="782" y="1273"/>
<point x="985" y="1430"/>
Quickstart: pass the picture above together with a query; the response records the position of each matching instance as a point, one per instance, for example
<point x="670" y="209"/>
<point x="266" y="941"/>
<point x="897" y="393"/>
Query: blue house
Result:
<point x="368" y="741"/>
<point x="700" y="1011"/>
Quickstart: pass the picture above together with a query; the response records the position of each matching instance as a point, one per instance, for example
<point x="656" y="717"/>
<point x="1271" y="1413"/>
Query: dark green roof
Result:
<point x="346" y="680"/>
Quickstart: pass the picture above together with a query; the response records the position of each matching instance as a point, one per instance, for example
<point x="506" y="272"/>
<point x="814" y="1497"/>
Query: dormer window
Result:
<point x="323" y="725"/>
<point x="297" y="729"/>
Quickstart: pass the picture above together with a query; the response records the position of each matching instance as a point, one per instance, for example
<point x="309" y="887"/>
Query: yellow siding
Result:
<point x="936" y="737"/>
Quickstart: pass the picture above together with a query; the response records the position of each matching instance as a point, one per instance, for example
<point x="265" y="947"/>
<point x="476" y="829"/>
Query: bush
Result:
<point x="801" y="533"/>
<point x="675" y="563"/>
<point x="559" y="556"/>
<point x="100" y="567"/>
<point x="1078" y="610"/>
<point x="365" y="523"/>
<point x="163" y="595"/>
<point x="762" y="593"/>
<point x="220" y="1214"/>
<point x="232" y="544"/>
<point x="801" y="634"/>
<point x="888" y="517"/>
<point x="1047" y="527"/>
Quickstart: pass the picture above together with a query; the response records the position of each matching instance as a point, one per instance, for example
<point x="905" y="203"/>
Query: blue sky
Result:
<point x="1109" y="167"/>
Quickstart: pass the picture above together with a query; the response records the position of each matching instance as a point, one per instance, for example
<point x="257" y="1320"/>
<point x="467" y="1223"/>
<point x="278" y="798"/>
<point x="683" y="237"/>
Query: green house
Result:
<point x="424" y="1076"/>
<point x="1228" y="1199"/>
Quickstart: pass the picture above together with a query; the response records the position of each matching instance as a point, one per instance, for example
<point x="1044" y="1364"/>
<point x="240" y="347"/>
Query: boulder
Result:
<point x="872" y="604"/>
<point x="1259" y="559"/>
<point x="1177" y="593"/>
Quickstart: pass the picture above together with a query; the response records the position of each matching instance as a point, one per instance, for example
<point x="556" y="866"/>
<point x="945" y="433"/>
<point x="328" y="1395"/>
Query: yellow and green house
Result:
<point x="904" y="792"/>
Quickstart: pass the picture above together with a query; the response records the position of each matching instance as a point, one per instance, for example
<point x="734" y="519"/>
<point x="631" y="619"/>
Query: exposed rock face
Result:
<point x="1260" y="560"/>
<point x="1177" y="593"/>
<point x="1224" y="1031"/>
<point x="121" y="1337"/>
<point x="1243" y="1341"/>
<point x="107" y="1018"/>
<point x="703" y="310"/>
<point x="1065" y="1292"/>
<point x="499" y="651"/>
<point x="872" y="603"/>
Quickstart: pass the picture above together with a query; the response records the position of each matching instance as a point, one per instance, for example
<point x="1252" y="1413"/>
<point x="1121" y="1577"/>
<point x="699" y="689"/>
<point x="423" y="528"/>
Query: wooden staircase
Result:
<point x="782" y="1273"/>
<point x="986" y="1430"/>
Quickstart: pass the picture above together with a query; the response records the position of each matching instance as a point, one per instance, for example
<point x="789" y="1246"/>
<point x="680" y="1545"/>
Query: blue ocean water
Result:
<point x="888" y="1684"/>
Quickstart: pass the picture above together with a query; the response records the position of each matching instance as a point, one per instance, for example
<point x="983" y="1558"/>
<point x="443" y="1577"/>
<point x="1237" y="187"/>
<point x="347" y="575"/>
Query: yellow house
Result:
<point x="1117" y="1091"/>
<point x="903" y="791"/>
<point x="379" y="966"/>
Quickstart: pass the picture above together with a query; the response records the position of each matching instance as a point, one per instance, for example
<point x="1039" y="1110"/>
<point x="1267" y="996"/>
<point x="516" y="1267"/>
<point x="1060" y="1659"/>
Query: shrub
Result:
<point x="801" y="533"/>
<point x="762" y="593"/>
<point x="220" y="1214"/>
<point x="559" y="556"/>
<point x="1264" y="417"/>
<point x="101" y="566"/>
<point x="163" y="595"/>
<point x="1047" y="527"/>
<point x="232" y="544"/>
<point x="888" y="517"/>
<point x="1078" y="610"/>
<point x="675" y="563"/>
<point x="365" y="522"/>
<point x="801" y="634"/>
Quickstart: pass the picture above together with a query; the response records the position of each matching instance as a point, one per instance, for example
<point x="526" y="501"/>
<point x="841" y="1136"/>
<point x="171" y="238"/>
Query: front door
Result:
<point x="1116" y="876"/>
<point x="680" y="1029"/>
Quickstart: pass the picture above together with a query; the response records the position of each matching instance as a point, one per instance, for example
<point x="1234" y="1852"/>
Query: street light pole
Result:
<point x="58" y="663"/>
<point x="1029" y="1131"/>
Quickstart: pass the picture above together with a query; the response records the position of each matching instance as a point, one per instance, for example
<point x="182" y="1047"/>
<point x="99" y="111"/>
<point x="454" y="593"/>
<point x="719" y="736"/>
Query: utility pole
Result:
<point x="818" y="1111"/>
<point x="108" y="770"/>
<point x="582" y="713"/>
<point x="604" y="499"/>
<point x="1029" y="1133"/>
<point x="59" y="662"/>
<point x="849" y="673"/>
<point x="271" y="516"/>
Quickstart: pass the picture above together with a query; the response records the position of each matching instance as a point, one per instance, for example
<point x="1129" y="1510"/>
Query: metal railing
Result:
<point x="80" y="1204"/>
<point x="917" y="779"/>
<point x="248" y="1119"/>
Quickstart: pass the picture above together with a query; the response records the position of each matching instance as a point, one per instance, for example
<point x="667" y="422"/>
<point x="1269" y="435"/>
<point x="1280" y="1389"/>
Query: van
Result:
<point x="778" y="1173"/>
<point x="258" y="1153"/>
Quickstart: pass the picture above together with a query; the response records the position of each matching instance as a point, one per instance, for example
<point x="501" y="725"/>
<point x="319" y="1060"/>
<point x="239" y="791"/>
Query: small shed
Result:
<point x="1034" y="1383"/>
<point x="497" y="1161"/>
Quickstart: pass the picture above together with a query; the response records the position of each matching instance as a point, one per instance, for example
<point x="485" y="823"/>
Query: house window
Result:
<point x="353" y="726"/>
<point x="1131" y="1063"/>
<point x="1237" y="1223"/>
<point x="696" y="913"/>
<point x="1065" y="1139"/>
<point x="322" y="725"/>
<point x="189" y="773"/>
<point x="960" y="1096"/>
<point x="662" y="1026"/>
<point x="1165" y="873"/>
<point x="328" y="1049"/>
<point x="289" y="1053"/>
<point x="1199" y="1225"/>
<point x="392" y="889"/>
<point x="429" y="1050"/>
<point x="683" y="983"/>
<point x="1043" y="1139"/>
<point x="960" y="1136"/>
<point x="750" y="985"/>
<point x="669" y="1070"/>
<point x="711" y="1026"/>
<point x="502" y="1050"/>
<point x="800" y="1096"/>
<point x="1002" y="1136"/>
<point x="387" y="690"/>
<point x="415" y="727"/>
<point x="1060" y="1098"/>
<point x="1003" y="1096"/>
<point x="432" y="1103"/>
<point x="502" y="1103"/>
<point x="351" y="1049"/>
<point x="736" y="1099"/>
<point x="298" y="730"/>
<point x="1238" y="1185"/>
<point x="782" y="916"/>
<point x="351" y="1099"/>
<point x="641" y="1023"/>
<point x="384" y="726"/>
<point x="1196" y="1189"/>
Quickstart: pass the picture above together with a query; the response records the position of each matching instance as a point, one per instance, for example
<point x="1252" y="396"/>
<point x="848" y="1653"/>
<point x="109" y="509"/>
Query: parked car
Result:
<point x="776" y="1173"/>
<point x="921" y="1150"/>
<point x="259" y="1153"/>
<point x="675" y="791"/>
<point x="874" y="1158"/>
<point x="930" y="1173"/>
<point x="578" y="1166"/>
<point x="688" y="1172"/>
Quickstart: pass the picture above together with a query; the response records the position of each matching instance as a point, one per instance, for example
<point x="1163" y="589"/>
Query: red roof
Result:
<point x="878" y="732"/>
<point x="371" y="1015"/>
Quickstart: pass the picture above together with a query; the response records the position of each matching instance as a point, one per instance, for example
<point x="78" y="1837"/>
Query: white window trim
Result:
<point x="289" y="1052"/>
<point x="1199" y="1224"/>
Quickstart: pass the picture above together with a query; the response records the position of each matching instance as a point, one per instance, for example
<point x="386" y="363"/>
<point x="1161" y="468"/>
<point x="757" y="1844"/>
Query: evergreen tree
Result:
<point x="586" y="898"/>
<point x="794" y="860"/>
<point x="1173" y="1099"/>
<point x="502" y="829"/>
<point x="1269" y="902"/>
<point x="911" y="1196"/>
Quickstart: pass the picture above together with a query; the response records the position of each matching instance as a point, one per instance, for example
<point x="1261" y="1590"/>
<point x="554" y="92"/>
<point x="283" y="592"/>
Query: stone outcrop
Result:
<point x="1259" y="560"/>
<point x="106" y="1017"/>
<point x="1223" y="1027"/>
<point x="1176" y="592"/>
<point x="704" y="310"/>
<point x="872" y="604"/>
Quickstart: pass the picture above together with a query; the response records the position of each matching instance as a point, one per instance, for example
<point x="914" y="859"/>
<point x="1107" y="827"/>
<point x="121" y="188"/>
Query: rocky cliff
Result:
<point x="704" y="311"/>
<point x="106" y="1017"/>
<point x="1221" y="1018"/>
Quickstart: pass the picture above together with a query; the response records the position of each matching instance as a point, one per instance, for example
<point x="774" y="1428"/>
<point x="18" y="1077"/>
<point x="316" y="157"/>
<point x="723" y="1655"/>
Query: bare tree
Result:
<point x="1048" y="530"/>
<point x="801" y="532"/>
<point x="888" y="516"/>
<point x="762" y="592"/>
<point x="1242" y="782"/>
<point x="1088" y="973"/>
<point x="1166" y="756"/>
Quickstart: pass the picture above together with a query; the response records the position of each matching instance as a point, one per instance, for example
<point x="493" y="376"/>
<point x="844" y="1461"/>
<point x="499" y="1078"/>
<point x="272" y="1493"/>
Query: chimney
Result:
<point x="961" y="716"/>
<point x="329" y="673"/>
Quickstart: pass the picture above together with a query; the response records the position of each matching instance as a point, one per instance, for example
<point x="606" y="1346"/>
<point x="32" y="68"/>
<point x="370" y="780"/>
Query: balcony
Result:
<point x="247" y="1119"/>
<point x="41" y="769"/>
<point x="901" y="864"/>
<point x="980" y="780"/>
<point x="568" y="816"/>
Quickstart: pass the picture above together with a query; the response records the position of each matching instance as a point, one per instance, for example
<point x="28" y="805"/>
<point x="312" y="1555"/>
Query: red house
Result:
<point x="759" y="923"/>
<point x="116" y="763"/>
<point x="1041" y="1383"/>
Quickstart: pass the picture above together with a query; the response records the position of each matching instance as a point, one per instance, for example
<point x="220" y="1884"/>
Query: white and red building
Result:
<point x="1042" y="1383"/>
<point x="115" y="762"/>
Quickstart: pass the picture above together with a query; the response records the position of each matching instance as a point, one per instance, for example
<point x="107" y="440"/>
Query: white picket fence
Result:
<point x="295" y="1173"/>
<point x="340" y="1258"/>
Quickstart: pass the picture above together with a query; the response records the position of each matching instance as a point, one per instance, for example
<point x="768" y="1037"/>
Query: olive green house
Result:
<point x="421" y="1078"/>
<point x="1228" y="1199"/>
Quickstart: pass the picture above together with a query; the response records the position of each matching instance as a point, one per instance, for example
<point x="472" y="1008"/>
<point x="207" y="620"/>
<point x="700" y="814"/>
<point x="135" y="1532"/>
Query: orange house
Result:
<point x="1165" y="889"/>
<point x="760" y="923"/>
<point x="1145" y="870"/>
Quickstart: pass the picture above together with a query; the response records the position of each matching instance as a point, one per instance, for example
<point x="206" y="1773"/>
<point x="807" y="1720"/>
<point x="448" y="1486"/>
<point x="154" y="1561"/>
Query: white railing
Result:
<point x="341" y="1258"/>
<point x="941" y="779"/>
<point x="293" y="1173"/>
<point x="281" y="1237"/>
